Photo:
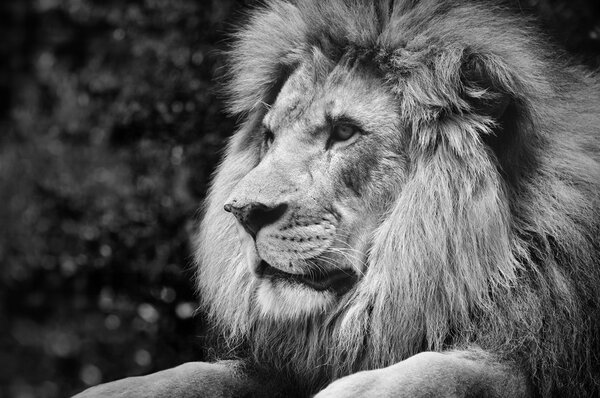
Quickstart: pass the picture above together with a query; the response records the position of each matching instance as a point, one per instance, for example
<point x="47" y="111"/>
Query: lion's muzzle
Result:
<point x="292" y="246"/>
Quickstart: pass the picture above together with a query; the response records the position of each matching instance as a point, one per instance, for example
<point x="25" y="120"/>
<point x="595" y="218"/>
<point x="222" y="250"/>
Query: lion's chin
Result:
<point x="284" y="295"/>
<point x="338" y="281"/>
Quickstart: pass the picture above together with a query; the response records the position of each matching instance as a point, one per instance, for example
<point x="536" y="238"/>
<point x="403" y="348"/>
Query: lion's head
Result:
<point x="329" y="164"/>
<point x="401" y="182"/>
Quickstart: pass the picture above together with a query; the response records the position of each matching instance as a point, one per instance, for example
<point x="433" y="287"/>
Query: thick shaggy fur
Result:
<point x="493" y="240"/>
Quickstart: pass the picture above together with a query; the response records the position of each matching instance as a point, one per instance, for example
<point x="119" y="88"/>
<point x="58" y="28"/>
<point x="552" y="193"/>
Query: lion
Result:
<point x="409" y="208"/>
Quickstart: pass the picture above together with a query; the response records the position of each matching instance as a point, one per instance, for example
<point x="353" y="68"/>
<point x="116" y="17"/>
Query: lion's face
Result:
<point x="329" y="162"/>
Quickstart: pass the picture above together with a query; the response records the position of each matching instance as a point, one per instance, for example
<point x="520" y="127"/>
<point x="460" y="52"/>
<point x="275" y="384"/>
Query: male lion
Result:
<point x="411" y="205"/>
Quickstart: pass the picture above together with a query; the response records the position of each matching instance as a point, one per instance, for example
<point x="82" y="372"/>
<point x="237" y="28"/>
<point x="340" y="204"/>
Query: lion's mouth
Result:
<point x="338" y="281"/>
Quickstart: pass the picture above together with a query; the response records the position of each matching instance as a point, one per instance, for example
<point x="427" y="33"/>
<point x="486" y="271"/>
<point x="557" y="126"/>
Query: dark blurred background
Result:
<point x="110" y="126"/>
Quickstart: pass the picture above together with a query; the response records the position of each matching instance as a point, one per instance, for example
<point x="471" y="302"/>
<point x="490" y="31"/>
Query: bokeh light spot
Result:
<point x="168" y="294"/>
<point x="148" y="313"/>
<point x="90" y="375"/>
<point x="185" y="310"/>
<point x="112" y="322"/>
<point x="143" y="358"/>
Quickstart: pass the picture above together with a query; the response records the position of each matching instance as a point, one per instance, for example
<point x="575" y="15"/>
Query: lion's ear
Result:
<point x="486" y="85"/>
<point x="460" y="96"/>
<point x="492" y="92"/>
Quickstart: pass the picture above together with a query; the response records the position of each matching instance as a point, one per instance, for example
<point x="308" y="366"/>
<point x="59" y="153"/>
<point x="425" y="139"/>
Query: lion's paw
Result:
<point x="362" y="384"/>
<point x="428" y="374"/>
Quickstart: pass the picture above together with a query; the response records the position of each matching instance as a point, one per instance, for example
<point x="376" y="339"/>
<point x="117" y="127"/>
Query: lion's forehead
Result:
<point x="306" y="100"/>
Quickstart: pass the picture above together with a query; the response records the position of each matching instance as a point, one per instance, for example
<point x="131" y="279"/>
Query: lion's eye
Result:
<point x="343" y="132"/>
<point x="268" y="136"/>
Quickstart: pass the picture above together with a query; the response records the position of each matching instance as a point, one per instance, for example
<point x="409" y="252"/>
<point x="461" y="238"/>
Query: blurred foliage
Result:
<point x="109" y="129"/>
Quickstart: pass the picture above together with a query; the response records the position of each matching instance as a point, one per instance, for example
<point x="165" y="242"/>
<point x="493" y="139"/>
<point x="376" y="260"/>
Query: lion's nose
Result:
<point x="254" y="216"/>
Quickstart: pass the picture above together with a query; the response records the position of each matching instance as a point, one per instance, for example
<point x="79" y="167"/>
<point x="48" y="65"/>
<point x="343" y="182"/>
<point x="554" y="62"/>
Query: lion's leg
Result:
<point x="471" y="373"/>
<point x="192" y="379"/>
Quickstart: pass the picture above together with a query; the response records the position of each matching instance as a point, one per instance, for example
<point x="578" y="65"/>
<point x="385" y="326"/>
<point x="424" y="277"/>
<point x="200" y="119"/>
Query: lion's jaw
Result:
<point x="308" y="242"/>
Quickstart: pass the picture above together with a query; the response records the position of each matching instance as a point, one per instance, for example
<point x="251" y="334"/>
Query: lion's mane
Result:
<point x="494" y="239"/>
